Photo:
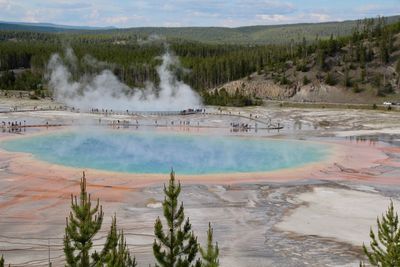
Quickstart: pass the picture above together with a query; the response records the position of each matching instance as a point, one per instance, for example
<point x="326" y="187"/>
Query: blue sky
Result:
<point x="132" y="13"/>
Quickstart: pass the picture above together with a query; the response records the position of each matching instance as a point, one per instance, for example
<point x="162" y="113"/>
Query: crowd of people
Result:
<point x="192" y="111"/>
<point x="127" y="123"/>
<point x="13" y="126"/>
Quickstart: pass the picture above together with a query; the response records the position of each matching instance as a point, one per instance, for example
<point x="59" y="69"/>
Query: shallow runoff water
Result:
<point x="152" y="152"/>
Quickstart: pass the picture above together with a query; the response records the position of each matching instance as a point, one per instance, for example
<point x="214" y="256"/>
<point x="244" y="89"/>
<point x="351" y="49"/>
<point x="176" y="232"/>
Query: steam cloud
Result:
<point x="106" y="91"/>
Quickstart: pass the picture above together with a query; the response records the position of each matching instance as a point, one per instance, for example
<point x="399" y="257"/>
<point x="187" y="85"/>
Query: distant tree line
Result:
<point x="223" y="98"/>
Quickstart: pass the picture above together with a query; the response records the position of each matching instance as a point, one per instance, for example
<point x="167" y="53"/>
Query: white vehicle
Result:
<point x="387" y="103"/>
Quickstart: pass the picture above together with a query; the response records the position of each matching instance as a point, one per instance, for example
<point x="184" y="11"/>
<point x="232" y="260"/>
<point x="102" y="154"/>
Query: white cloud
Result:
<point x="310" y="16"/>
<point x="377" y="9"/>
<point x="272" y="18"/>
<point x="5" y="4"/>
<point x="168" y="7"/>
<point x="172" y="24"/>
<point x="31" y="16"/>
<point x="117" y="20"/>
<point x="121" y="20"/>
<point x="41" y="15"/>
<point x="369" y="8"/>
<point x="266" y="7"/>
<point x="320" y="17"/>
<point x="279" y="4"/>
<point x="204" y="14"/>
<point x="94" y="14"/>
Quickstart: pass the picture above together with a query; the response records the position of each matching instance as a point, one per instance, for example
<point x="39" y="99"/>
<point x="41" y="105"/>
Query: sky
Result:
<point x="179" y="13"/>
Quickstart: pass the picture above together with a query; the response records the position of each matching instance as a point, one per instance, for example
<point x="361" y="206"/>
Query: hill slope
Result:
<point x="342" y="76"/>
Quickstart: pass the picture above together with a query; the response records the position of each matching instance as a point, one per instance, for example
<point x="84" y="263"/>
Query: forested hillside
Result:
<point x="364" y="60"/>
<point x="363" y="67"/>
<point x="271" y="34"/>
<point x="262" y="34"/>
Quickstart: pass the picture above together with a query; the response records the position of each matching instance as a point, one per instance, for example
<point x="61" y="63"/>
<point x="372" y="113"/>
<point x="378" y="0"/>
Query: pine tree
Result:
<point x="330" y="79"/>
<point x="347" y="79"/>
<point x="2" y="262"/>
<point x="177" y="247"/>
<point x="115" y="252"/>
<point x="211" y="252"/>
<point x="398" y="73"/>
<point x="306" y="80"/>
<point x="385" y="247"/>
<point x="321" y="56"/>
<point x="82" y="225"/>
<point x="384" y="51"/>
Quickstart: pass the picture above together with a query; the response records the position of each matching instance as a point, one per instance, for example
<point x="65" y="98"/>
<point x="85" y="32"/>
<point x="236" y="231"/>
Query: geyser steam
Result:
<point x="106" y="91"/>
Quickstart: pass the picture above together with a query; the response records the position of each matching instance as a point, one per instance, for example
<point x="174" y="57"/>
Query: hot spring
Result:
<point x="152" y="152"/>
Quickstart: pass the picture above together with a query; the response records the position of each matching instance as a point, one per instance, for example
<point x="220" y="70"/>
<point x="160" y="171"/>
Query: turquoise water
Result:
<point x="150" y="152"/>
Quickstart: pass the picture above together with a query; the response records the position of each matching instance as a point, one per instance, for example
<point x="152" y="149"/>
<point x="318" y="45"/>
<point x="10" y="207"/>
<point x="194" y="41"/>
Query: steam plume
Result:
<point x="106" y="91"/>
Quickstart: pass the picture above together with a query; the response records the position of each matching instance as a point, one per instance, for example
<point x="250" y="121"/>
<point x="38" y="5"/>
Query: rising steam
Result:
<point x="106" y="91"/>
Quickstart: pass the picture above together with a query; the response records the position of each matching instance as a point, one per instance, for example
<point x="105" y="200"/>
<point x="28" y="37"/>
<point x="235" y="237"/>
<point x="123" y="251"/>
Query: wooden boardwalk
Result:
<point x="264" y="125"/>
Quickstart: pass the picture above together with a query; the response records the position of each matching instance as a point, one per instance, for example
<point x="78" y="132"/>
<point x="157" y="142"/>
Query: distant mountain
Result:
<point x="47" y="27"/>
<point x="261" y="34"/>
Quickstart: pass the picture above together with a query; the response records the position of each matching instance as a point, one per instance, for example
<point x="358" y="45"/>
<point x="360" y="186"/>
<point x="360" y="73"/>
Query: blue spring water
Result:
<point x="151" y="152"/>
